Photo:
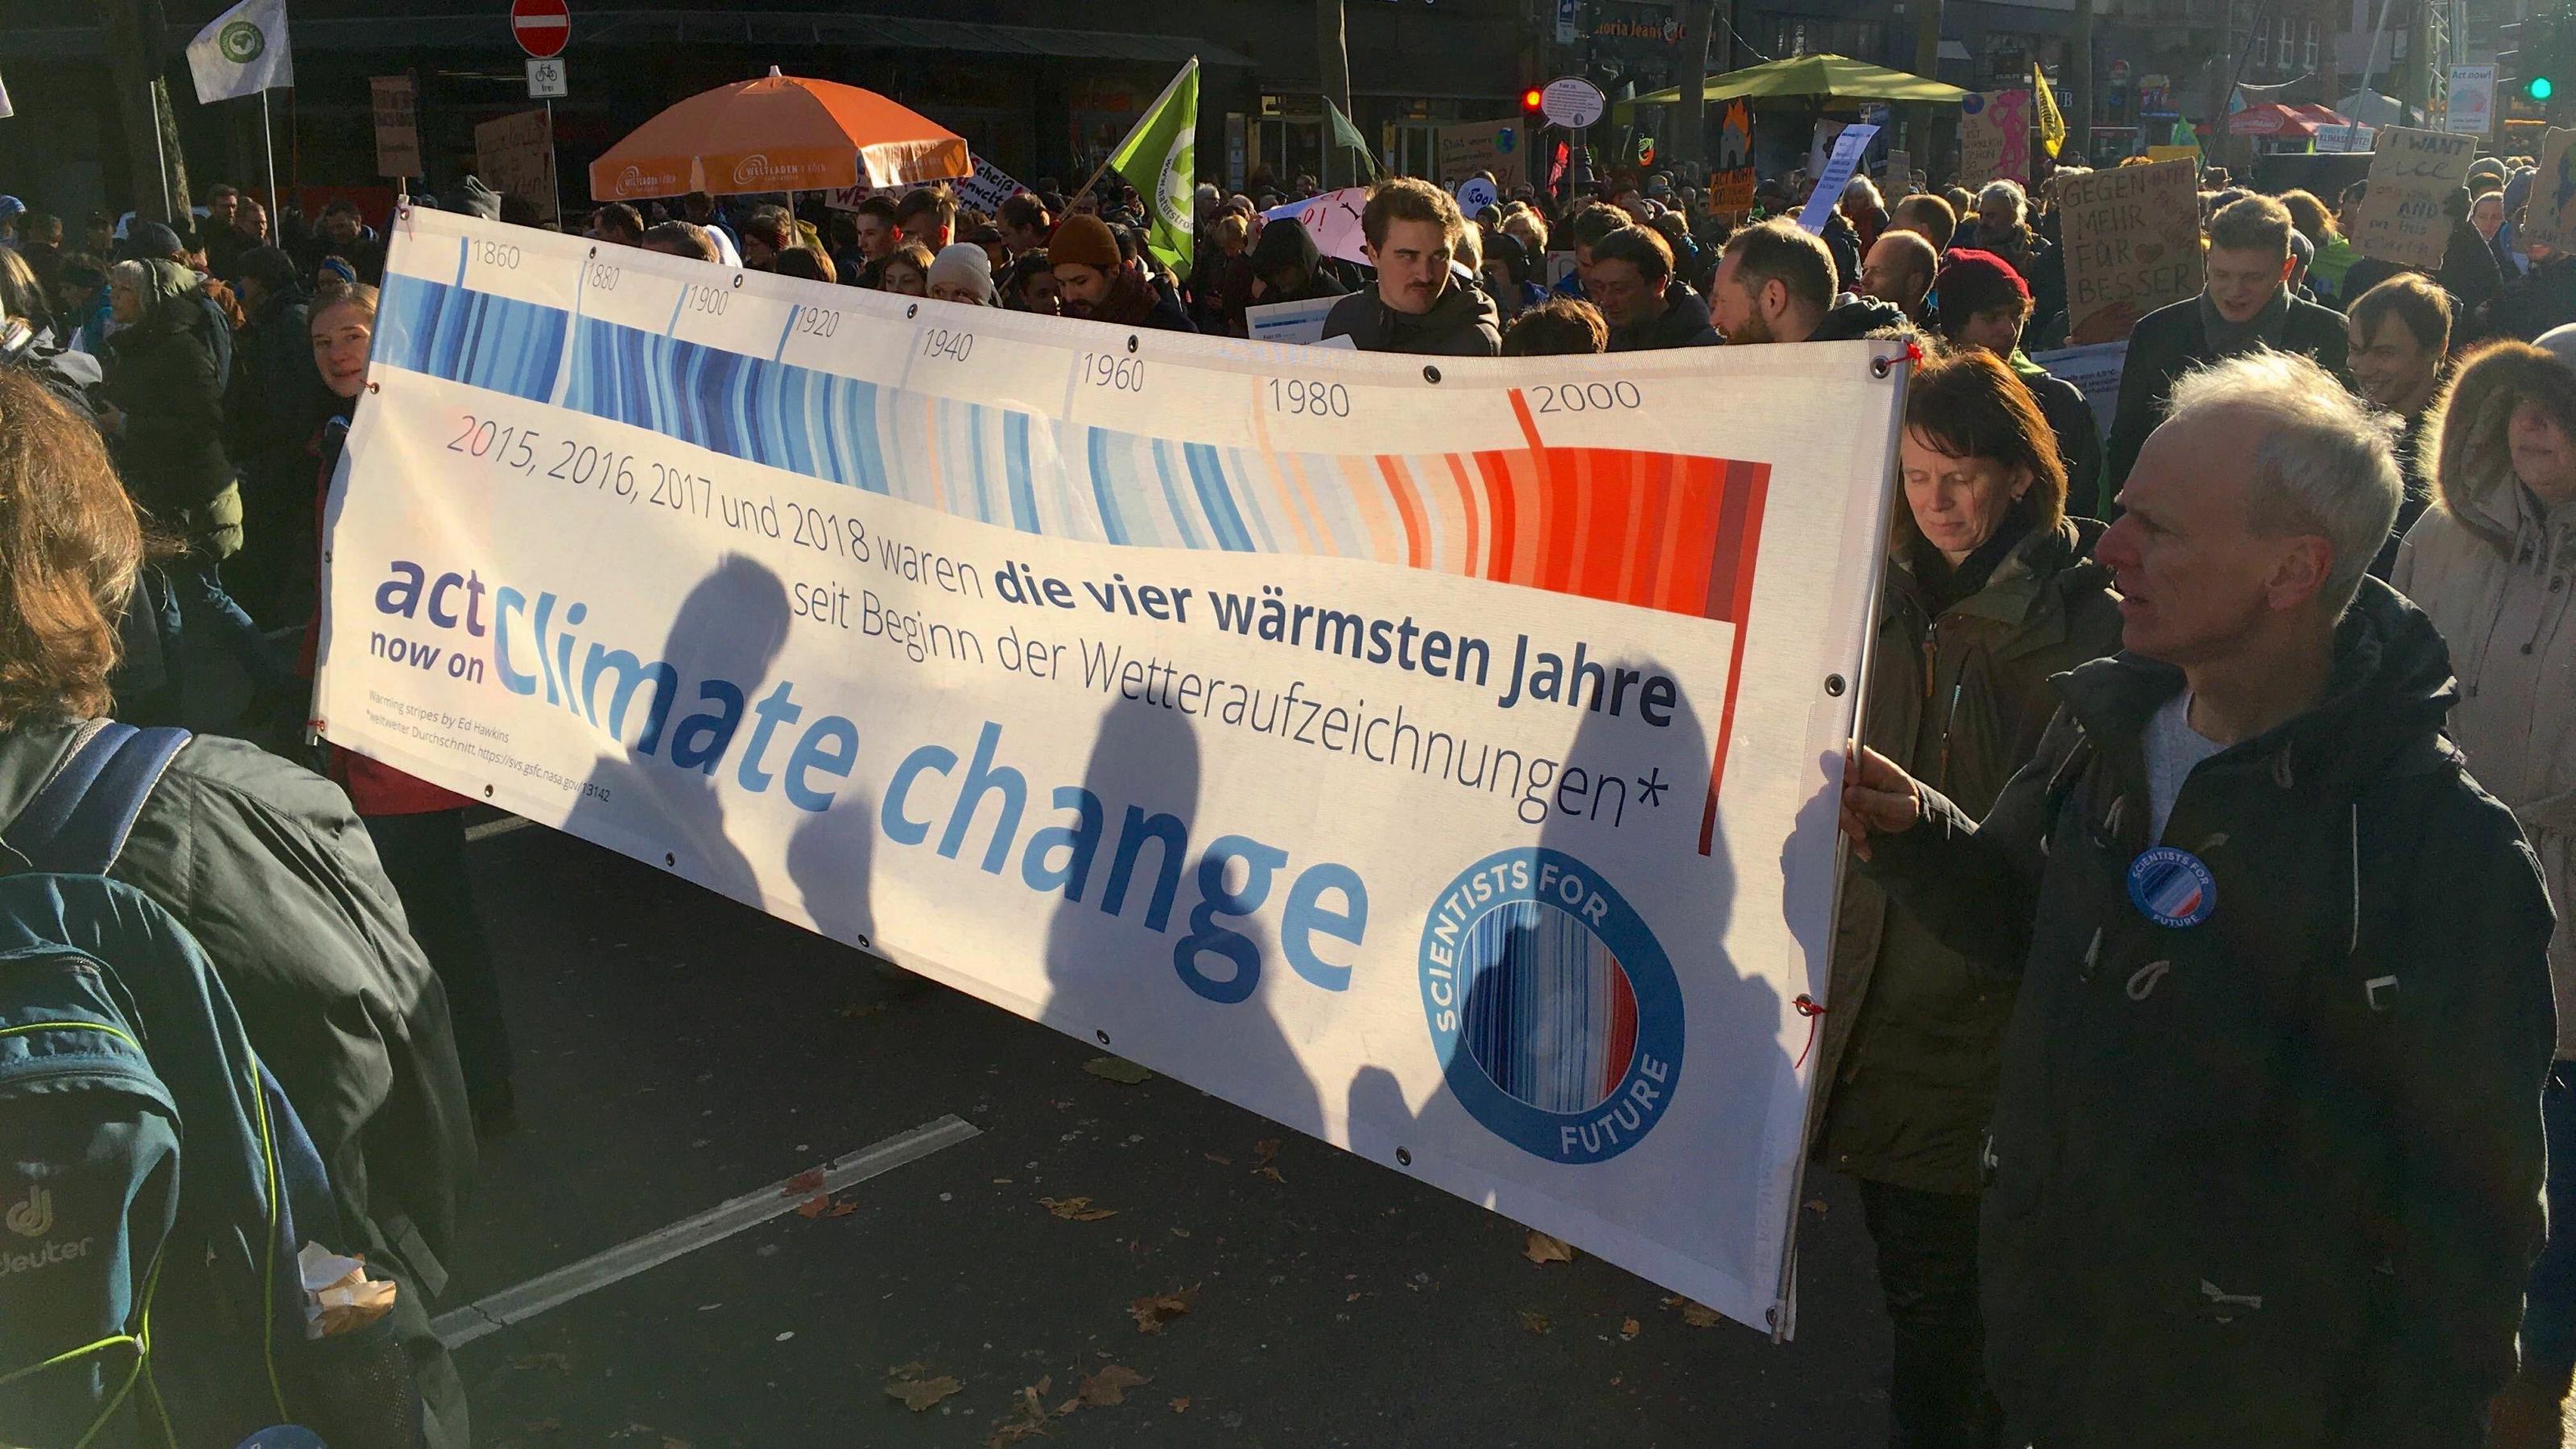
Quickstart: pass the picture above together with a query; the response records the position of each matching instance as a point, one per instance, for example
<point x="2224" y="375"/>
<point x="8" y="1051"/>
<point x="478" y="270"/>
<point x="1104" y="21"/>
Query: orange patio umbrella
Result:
<point x="778" y="133"/>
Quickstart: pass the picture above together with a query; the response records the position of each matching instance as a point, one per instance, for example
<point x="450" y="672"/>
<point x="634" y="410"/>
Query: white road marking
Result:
<point x="548" y="1290"/>
<point x="490" y="828"/>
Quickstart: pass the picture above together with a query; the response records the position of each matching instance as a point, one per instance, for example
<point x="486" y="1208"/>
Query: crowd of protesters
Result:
<point x="2260" y="1158"/>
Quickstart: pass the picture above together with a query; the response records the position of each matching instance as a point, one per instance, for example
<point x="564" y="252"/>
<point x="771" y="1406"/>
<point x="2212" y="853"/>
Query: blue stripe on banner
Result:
<point x="841" y="429"/>
<point x="1207" y="476"/>
<point x="1162" y="449"/>
<point x="1015" y="465"/>
<point x="959" y="420"/>
<point x="1096" y="452"/>
<point x="779" y="353"/>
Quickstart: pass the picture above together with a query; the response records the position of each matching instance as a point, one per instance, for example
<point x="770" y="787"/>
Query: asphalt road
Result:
<point x="676" y="1051"/>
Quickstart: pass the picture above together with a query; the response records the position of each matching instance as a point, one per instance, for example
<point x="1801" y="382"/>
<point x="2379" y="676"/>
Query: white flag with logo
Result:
<point x="242" y="52"/>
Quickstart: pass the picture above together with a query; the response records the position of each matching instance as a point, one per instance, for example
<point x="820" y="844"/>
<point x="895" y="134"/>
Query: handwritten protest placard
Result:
<point x="2411" y="174"/>
<point x="1497" y="148"/>
<point x="1994" y="137"/>
<point x="2132" y="239"/>
<point x="2550" y="216"/>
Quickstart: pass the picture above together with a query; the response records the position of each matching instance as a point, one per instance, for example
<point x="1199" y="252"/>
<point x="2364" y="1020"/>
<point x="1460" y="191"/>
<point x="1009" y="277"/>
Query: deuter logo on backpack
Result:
<point x="33" y="1217"/>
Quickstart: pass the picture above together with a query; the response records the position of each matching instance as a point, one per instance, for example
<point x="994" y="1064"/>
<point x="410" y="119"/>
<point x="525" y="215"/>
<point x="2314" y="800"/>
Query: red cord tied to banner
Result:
<point x="1882" y="366"/>
<point x="1810" y="1008"/>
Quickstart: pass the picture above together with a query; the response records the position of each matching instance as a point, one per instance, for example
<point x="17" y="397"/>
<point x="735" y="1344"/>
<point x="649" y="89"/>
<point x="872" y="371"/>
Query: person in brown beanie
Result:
<point x="1100" y="287"/>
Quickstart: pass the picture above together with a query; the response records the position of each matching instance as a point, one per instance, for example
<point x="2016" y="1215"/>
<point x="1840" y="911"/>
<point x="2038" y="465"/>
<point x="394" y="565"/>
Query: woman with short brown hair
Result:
<point x="1990" y="590"/>
<point x="70" y="548"/>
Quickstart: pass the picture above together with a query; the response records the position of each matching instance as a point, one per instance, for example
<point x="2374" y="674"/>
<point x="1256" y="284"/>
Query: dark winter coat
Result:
<point x="1463" y="323"/>
<point x="166" y="373"/>
<point x="2540" y="299"/>
<point x="2468" y="269"/>
<point x="2170" y="341"/>
<point x="1959" y="696"/>
<point x="1854" y="317"/>
<point x="275" y="398"/>
<point x="265" y="865"/>
<point x="2079" y="435"/>
<point x="2273" y="1179"/>
<point x="1135" y="302"/>
<point x="1682" y="323"/>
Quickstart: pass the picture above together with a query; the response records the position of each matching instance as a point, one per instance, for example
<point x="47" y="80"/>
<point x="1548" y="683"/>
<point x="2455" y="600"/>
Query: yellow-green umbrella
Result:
<point x="1817" y="79"/>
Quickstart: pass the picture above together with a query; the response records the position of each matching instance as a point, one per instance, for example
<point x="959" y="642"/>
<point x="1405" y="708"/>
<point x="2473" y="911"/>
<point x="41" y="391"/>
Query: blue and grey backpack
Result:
<point x="155" y="1185"/>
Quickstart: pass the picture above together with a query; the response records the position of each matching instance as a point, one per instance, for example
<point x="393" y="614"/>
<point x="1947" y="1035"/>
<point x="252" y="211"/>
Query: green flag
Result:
<point x="1349" y="135"/>
<point x="1160" y="159"/>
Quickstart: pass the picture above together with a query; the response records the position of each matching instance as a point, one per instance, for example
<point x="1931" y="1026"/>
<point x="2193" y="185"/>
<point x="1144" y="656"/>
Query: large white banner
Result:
<point x="1436" y="756"/>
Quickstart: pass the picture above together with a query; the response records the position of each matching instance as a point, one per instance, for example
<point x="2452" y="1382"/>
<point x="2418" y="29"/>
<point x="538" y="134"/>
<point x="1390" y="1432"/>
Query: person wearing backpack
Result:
<point x="265" y="866"/>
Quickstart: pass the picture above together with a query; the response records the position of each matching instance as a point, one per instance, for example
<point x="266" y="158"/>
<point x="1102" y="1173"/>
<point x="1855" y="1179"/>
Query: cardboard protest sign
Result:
<point x="2411" y="174"/>
<point x="2550" y="216"/>
<point x="1332" y="219"/>
<point x="1498" y="147"/>
<point x="515" y="156"/>
<point x="985" y="191"/>
<point x="1288" y="321"/>
<point x="1994" y="137"/>
<point x="2132" y="244"/>
<point x="396" y="100"/>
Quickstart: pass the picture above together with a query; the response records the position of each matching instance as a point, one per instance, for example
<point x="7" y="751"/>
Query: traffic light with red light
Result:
<point x="1531" y="101"/>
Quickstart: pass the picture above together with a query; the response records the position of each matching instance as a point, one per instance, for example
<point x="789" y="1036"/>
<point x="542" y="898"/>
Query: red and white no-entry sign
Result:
<point x="542" y="27"/>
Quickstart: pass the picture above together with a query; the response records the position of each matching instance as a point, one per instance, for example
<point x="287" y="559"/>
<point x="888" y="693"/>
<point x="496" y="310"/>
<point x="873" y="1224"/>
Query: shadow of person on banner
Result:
<point x="665" y="807"/>
<point x="1197" y="988"/>
<point x="1569" y="1043"/>
<point x="829" y="860"/>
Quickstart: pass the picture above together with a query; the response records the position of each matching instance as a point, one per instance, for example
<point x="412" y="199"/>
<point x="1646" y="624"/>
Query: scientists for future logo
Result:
<point x="1554" y="1009"/>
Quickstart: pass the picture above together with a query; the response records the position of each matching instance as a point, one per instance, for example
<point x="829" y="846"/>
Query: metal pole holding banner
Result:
<point x="268" y="154"/>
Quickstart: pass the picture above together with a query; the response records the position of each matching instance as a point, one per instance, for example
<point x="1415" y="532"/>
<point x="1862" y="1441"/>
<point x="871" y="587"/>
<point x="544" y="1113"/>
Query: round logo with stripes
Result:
<point x="2172" y="886"/>
<point x="1554" y="1009"/>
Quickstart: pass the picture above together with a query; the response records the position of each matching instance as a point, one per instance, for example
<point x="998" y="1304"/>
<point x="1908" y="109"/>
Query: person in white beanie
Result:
<point x="2493" y="562"/>
<point x="963" y="273"/>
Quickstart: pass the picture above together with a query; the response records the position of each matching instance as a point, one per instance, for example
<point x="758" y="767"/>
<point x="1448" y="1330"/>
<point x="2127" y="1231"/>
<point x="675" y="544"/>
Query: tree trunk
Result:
<point x="1690" y="113"/>
<point x="1333" y="73"/>
<point x="1934" y="160"/>
<point x="132" y="33"/>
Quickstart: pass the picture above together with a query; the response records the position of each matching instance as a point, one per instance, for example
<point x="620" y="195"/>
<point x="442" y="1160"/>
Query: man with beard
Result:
<point x="1099" y="286"/>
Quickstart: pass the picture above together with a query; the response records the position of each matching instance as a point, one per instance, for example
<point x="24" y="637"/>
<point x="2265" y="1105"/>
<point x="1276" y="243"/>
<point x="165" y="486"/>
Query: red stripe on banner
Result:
<point x="1695" y="525"/>
<point x="1752" y="482"/>
<point x="1623" y="1034"/>
<point x="1529" y="425"/>
<point x="1467" y="510"/>
<point x="1497" y="475"/>
<point x="1408" y="507"/>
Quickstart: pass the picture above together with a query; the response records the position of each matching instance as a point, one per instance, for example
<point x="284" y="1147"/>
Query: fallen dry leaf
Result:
<point x="1108" y="1388"/>
<point x="1534" y="1322"/>
<point x="812" y="1207"/>
<point x="1117" y="1069"/>
<point x="1697" y="1315"/>
<point x="844" y="1207"/>
<point x="1153" y="1310"/>
<point x="1181" y="1405"/>
<point x="1629" y="1328"/>
<point x="804" y="1183"/>
<point x="1265" y="1156"/>
<point x="1543" y="1250"/>
<point x="1816" y="1205"/>
<point x="1029" y="1416"/>
<point x="919" y="1395"/>
<point x="1076" y="1209"/>
<point x="1220" y="1159"/>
